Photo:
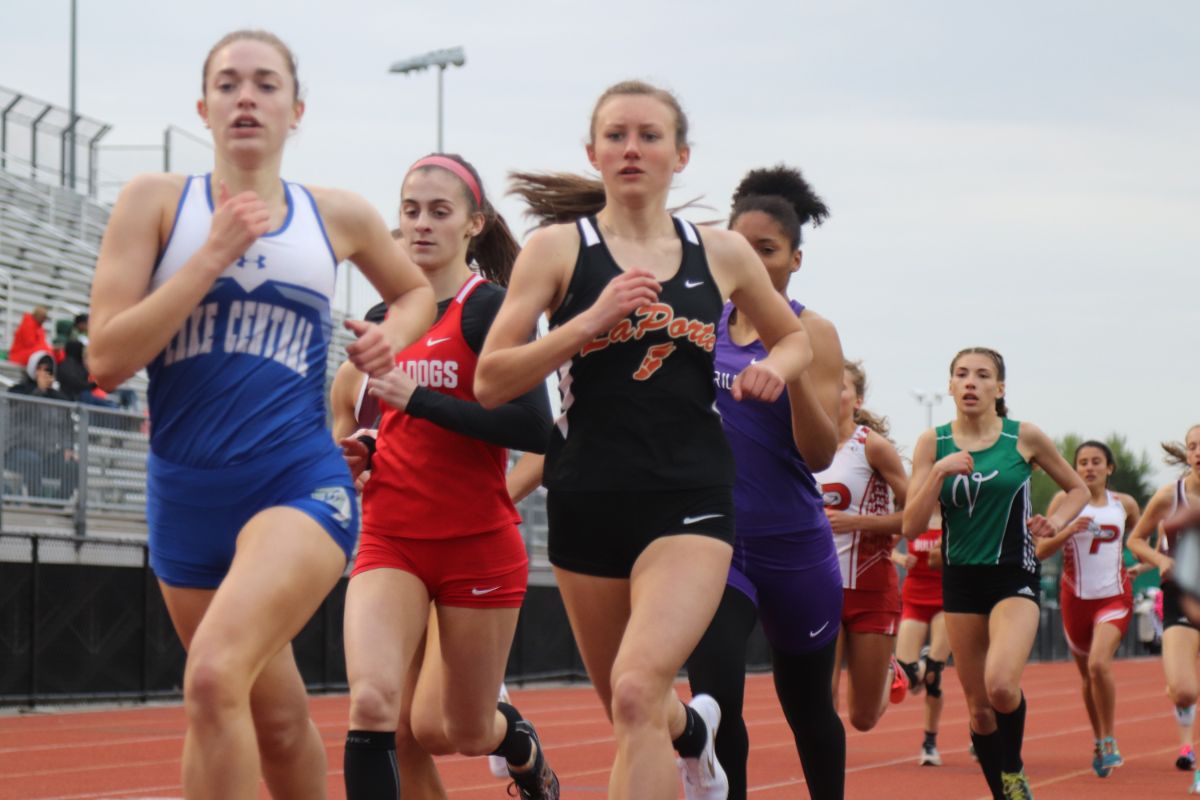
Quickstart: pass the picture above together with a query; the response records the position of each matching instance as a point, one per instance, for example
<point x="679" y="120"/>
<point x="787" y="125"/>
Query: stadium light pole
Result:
<point x="929" y="399"/>
<point x="69" y="167"/>
<point x="449" y="57"/>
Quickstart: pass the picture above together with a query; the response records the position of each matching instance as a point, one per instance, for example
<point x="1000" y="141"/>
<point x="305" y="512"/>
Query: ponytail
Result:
<point x="1176" y="452"/>
<point x="556" y="197"/>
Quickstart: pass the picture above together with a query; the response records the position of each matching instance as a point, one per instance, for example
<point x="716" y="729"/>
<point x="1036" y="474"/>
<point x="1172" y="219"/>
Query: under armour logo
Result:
<point x="261" y="261"/>
<point x="965" y="481"/>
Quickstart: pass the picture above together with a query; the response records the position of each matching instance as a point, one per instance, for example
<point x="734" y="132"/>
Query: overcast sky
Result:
<point x="1022" y="175"/>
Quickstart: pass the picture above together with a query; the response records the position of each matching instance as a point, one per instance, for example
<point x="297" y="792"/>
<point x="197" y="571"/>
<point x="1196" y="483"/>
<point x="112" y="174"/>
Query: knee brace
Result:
<point x="933" y="677"/>
<point x="911" y="671"/>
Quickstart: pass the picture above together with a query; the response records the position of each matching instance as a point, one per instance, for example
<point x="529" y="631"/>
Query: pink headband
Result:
<point x="458" y="169"/>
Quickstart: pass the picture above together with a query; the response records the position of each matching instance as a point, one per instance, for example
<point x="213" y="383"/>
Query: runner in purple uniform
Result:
<point x="785" y="568"/>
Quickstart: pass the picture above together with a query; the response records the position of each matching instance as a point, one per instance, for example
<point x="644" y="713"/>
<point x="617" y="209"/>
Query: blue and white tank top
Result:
<point x="246" y="372"/>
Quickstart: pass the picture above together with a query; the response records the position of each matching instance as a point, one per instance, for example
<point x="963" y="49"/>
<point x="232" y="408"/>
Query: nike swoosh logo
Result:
<point x="817" y="632"/>
<point x="693" y="520"/>
<point x="477" y="592"/>
<point x="692" y="284"/>
<point x="432" y="342"/>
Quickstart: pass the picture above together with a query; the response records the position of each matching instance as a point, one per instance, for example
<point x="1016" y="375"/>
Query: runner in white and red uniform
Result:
<point x="1097" y="593"/>
<point x="858" y="488"/>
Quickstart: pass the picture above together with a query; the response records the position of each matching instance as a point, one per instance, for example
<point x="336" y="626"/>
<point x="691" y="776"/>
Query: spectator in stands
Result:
<point x="40" y="436"/>
<point x="79" y="329"/>
<point x="74" y="380"/>
<point x="30" y="337"/>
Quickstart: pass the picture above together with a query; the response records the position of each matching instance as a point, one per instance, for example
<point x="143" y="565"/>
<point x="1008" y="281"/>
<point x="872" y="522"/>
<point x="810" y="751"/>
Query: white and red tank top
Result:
<point x="849" y="484"/>
<point x="421" y="471"/>
<point x="1093" y="559"/>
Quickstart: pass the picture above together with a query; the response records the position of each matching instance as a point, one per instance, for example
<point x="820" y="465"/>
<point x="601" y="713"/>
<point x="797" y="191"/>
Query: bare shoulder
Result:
<point x="723" y="245"/>
<point x="558" y="240"/>
<point x="1031" y="434"/>
<point x="818" y="327"/>
<point x="151" y="189"/>
<point x="1126" y="500"/>
<point x="340" y="206"/>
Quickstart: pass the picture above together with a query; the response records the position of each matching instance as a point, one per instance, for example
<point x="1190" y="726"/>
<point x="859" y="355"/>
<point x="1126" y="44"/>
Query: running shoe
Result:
<point x="1195" y="787"/>
<point x="497" y="764"/>
<point x="1112" y="754"/>
<point x="1016" y="786"/>
<point x="899" y="689"/>
<point x="539" y="783"/>
<point x="703" y="776"/>
<point x="1186" y="759"/>
<point x="1098" y="762"/>
<point x="930" y="757"/>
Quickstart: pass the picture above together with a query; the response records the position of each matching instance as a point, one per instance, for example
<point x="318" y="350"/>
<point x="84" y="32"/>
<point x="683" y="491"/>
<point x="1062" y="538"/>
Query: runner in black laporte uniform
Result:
<point x="638" y="471"/>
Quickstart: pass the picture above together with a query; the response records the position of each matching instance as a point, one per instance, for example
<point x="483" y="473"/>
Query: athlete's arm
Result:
<point x="130" y="325"/>
<point x="814" y="405"/>
<point x="358" y="233"/>
<point x="926" y="481"/>
<point x="1039" y="449"/>
<point x="525" y="476"/>
<point x="742" y="278"/>
<point x="511" y="364"/>
<point x="1051" y="545"/>
<point x="520" y="424"/>
<point x="1139" y="540"/>
<point x="343" y="396"/>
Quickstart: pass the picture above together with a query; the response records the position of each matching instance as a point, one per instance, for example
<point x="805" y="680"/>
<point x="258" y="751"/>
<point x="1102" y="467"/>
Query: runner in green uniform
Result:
<point x="977" y="469"/>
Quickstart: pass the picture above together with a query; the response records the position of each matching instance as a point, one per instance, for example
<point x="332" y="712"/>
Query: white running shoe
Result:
<point x="1195" y="783"/>
<point x="930" y="757"/>
<point x="703" y="776"/>
<point x="497" y="764"/>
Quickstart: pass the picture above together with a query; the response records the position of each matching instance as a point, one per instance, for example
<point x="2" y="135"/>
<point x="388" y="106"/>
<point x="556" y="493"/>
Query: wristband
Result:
<point x="369" y="443"/>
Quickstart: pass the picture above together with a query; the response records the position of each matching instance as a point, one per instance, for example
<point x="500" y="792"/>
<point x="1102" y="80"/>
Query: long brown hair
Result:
<point x="555" y="197"/>
<point x="253" y="35"/>
<point x="997" y="360"/>
<point x="494" y="249"/>
<point x="1176" y="452"/>
<point x="858" y="377"/>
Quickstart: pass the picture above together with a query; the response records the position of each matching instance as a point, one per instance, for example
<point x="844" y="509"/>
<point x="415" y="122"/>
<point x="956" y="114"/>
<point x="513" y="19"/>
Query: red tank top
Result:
<point x="923" y="584"/>
<point x="428" y="482"/>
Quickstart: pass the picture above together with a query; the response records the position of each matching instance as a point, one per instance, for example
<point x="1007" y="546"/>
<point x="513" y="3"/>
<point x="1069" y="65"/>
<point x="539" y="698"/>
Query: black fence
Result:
<point x="82" y="619"/>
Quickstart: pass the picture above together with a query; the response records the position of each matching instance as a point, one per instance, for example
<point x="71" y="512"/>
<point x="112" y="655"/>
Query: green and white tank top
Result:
<point x="984" y="513"/>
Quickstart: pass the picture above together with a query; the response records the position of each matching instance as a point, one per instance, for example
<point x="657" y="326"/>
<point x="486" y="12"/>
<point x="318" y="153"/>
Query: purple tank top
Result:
<point x="774" y="491"/>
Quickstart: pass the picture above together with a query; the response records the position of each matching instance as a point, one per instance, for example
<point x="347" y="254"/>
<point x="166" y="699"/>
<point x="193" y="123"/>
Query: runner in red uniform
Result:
<point x="923" y="617"/>
<point x="438" y="521"/>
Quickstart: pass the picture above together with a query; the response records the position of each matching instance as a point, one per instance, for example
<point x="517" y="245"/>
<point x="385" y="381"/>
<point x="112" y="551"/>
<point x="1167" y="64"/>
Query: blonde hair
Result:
<point x="858" y="377"/>
<point x="1176" y="452"/>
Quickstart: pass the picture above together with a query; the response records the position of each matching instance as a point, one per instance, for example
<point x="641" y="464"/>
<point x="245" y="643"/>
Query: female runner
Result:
<point x="1097" y="593"/>
<point x="438" y="523"/>
<point x="977" y="467"/>
<point x="220" y="285"/>
<point x="856" y="494"/>
<point x="785" y="567"/>
<point x="638" y="471"/>
<point x="1181" y="639"/>
<point x="921" y="617"/>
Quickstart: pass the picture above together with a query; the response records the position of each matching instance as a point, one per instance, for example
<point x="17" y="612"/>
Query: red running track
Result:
<point x="134" y="753"/>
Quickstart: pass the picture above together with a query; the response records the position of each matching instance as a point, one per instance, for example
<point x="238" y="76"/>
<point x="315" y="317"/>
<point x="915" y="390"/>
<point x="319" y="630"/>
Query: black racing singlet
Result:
<point x="638" y="401"/>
